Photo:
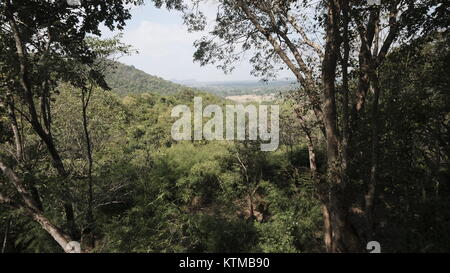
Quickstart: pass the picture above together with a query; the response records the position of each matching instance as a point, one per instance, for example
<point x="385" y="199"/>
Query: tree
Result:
<point x="280" y="34"/>
<point x="43" y="41"/>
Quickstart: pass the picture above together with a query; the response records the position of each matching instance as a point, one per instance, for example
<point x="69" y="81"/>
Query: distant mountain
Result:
<point x="235" y="88"/>
<point x="187" y="82"/>
<point x="125" y="79"/>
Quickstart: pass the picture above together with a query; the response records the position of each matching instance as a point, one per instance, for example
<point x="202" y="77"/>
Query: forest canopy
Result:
<point x="86" y="153"/>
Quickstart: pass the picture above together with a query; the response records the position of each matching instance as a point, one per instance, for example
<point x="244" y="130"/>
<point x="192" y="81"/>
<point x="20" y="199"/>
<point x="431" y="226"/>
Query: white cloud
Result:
<point x="166" y="47"/>
<point x="158" y="40"/>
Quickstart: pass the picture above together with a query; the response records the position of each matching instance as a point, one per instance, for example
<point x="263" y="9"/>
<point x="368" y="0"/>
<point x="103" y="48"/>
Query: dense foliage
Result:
<point x="156" y="195"/>
<point x="364" y="140"/>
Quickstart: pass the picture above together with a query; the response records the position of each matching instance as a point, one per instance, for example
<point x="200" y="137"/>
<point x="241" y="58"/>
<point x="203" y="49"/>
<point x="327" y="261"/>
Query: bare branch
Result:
<point x="316" y="47"/>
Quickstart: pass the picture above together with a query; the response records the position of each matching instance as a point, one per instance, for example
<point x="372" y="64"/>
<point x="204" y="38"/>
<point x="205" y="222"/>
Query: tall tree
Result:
<point x="42" y="40"/>
<point x="284" y="34"/>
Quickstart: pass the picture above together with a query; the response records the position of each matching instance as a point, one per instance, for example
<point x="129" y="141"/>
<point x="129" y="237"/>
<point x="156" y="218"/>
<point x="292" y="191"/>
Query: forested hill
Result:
<point x="124" y="79"/>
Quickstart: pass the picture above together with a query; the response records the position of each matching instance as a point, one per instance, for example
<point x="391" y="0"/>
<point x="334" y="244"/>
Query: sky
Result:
<point x="166" y="47"/>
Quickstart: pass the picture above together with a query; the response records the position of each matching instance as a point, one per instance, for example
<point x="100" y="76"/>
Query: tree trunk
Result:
<point x="46" y="137"/>
<point x="343" y="239"/>
<point x="88" y="233"/>
<point x="5" y="238"/>
<point x="31" y="209"/>
<point x="328" y="233"/>
<point x="325" y="213"/>
<point x="14" y="126"/>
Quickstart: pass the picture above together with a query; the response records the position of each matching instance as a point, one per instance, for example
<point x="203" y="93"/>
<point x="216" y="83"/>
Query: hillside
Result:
<point x="124" y="79"/>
